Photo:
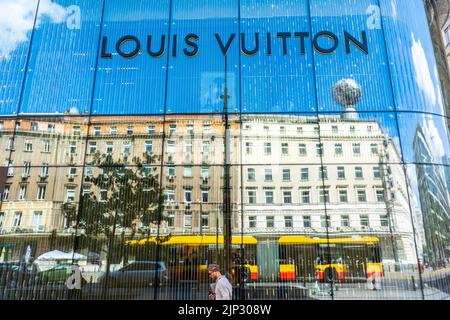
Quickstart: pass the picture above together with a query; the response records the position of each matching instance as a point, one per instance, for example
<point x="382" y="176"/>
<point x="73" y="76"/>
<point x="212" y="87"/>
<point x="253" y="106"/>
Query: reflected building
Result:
<point x="434" y="201"/>
<point x="359" y="190"/>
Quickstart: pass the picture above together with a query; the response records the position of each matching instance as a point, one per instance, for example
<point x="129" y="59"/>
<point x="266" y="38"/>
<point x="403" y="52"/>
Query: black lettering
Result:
<point x="189" y="40"/>
<point x="131" y="54"/>
<point x="228" y="45"/>
<point x="361" y="45"/>
<point x="254" y="50"/>
<point x="269" y="44"/>
<point x="161" y="50"/>
<point x="174" y="45"/>
<point x="302" y="36"/>
<point x="105" y="54"/>
<point x="329" y="35"/>
<point x="284" y="36"/>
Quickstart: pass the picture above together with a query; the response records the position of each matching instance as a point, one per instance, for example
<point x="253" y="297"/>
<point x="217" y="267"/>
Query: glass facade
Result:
<point x="303" y="145"/>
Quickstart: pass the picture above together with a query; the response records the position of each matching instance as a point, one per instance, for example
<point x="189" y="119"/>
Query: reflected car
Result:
<point x="137" y="274"/>
<point x="59" y="273"/>
<point x="13" y="274"/>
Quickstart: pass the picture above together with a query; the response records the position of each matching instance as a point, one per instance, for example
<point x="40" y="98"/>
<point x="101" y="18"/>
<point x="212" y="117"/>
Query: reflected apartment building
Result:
<point x="284" y="179"/>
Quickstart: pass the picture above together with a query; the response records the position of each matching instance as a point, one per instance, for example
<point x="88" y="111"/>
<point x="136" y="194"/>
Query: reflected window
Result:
<point x="187" y="196"/>
<point x="306" y="221"/>
<point x="334" y="129"/>
<point x="345" y="220"/>
<point x="76" y="130"/>
<point x="97" y="131"/>
<point x="17" y="219"/>
<point x="356" y="149"/>
<point x="324" y="196"/>
<point x="2" y="218"/>
<point x="51" y="128"/>
<point x="249" y="148"/>
<point x="92" y="147"/>
<point x="376" y="172"/>
<point x="28" y="146"/>
<point x="113" y="130"/>
<point x="188" y="221"/>
<point x="304" y="174"/>
<point x="205" y="172"/>
<point x="302" y="149"/>
<point x="188" y="147"/>
<point x="364" y="220"/>
<point x="10" y="168"/>
<point x="103" y="195"/>
<point x="285" y="149"/>
<point x="319" y="149"/>
<point x="6" y="190"/>
<point x="170" y="146"/>
<point x="268" y="175"/>
<point x="109" y="147"/>
<point x="306" y="199"/>
<point x="384" y="220"/>
<point x="206" y="128"/>
<point x="89" y="171"/>
<point x="171" y="172"/>
<point x="34" y="126"/>
<point x="130" y="129"/>
<point x="187" y="172"/>
<point x="205" y="147"/>
<point x="72" y="147"/>
<point x="323" y="173"/>
<point x="126" y="148"/>
<point x="46" y="146"/>
<point x="205" y="220"/>
<point x="267" y="148"/>
<point x="352" y="129"/>
<point x="361" y="195"/>
<point x="37" y="223"/>
<point x="380" y="195"/>
<point x="170" y="219"/>
<point x="251" y="197"/>
<point x="325" y="221"/>
<point x="359" y="173"/>
<point x="316" y="131"/>
<point x="172" y="129"/>
<point x="269" y="197"/>
<point x="270" y="221"/>
<point x="41" y="192"/>
<point x="283" y="131"/>
<point x="148" y="146"/>
<point x="288" y="223"/>
<point x="26" y="169"/>
<point x="286" y="175"/>
<point x="252" y="221"/>
<point x="205" y="196"/>
<point x="151" y="129"/>
<point x="343" y="196"/>
<point x="251" y="175"/>
<point x="287" y="197"/>
<point x="70" y="194"/>
<point x="190" y="129"/>
<point x="170" y="193"/>
<point x="338" y="150"/>
<point x="341" y="173"/>
<point x="22" y="192"/>
<point x="374" y="149"/>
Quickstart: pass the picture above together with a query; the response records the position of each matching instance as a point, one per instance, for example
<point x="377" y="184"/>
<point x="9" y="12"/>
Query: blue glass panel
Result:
<point x="196" y="84"/>
<point x="135" y="85"/>
<point x="63" y="54"/>
<point x="15" y="31"/>
<point x="369" y="70"/>
<point x="271" y="81"/>
<point x="413" y="66"/>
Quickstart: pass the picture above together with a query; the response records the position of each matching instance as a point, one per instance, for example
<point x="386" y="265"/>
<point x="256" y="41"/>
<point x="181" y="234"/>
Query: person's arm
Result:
<point x="224" y="293"/>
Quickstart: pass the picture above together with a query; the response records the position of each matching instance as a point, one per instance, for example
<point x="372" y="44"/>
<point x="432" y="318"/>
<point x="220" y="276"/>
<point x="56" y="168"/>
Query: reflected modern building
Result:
<point x="301" y="144"/>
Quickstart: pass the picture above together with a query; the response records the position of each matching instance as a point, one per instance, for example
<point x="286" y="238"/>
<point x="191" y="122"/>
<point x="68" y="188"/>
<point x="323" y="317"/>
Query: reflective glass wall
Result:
<point x="302" y="145"/>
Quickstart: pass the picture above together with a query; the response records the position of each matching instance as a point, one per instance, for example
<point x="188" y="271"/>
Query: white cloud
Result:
<point x="17" y="19"/>
<point x="422" y="71"/>
<point x="433" y="135"/>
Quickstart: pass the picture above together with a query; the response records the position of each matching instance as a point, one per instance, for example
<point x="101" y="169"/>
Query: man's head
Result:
<point x="214" y="271"/>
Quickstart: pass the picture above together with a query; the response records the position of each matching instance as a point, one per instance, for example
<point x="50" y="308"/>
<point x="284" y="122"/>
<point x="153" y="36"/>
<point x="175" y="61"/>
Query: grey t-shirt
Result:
<point x="223" y="290"/>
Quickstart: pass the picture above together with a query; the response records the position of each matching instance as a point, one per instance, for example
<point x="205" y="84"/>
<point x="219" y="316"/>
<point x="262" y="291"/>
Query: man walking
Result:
<point x="222" y="289"/>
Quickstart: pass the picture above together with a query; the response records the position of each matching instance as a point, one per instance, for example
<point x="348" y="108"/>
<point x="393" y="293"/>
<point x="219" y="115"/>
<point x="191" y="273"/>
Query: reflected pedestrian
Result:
<point x="221" y="289"/>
